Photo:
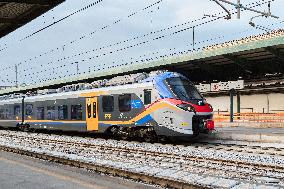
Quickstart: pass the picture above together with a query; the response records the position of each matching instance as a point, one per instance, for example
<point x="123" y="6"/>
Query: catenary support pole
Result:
<point x="239" y="9"/>
<point x="193" y="37"/>
<point x="232" y="105"/>
<point x="23" y="109"/>
<point x="238" y="105"/>
<point x="16" y="72"/>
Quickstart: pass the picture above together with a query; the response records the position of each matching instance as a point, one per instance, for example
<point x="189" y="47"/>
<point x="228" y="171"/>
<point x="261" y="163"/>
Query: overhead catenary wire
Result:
<point x="135" y="38"/>
<point x="129" y="63"/>
<point x="146" y="59"/>
<point x="93" y="32"/>
<point x="158" y="38"/>
<point x="61" y="19"/>
<point x="65" y="58"/>
<point x="148" y="41"/>
<point x="153" y="39"/>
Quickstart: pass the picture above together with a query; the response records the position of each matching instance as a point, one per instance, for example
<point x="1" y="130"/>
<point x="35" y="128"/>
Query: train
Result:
<point x="159" y="104"/>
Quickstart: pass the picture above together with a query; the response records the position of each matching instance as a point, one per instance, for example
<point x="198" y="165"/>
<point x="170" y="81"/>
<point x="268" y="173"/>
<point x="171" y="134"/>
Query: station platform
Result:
<point x="22" y="172"/>
<point x="247" y="134"/>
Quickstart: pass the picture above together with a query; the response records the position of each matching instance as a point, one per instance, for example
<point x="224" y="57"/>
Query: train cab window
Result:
<point x="29" y="109"/>
<point x="108" y="103"/>
<point x="124" y="102"/>
<point x="76" y="112"/>
<point x="40" y="113"/>
<point x="147" y="97"/>
<point x="51" y="112"/>
<point x="17" y="111"/>
<point x="62" y="112"/>
<point x="184" y="90"/>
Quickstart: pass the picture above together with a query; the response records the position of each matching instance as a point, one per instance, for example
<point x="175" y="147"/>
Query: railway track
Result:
<point x="238" y="146"/>
<point x="245" y="148"/>
<point x="186" y="166"/>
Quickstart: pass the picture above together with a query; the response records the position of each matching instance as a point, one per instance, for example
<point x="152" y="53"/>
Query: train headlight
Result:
<point x="186" y="107"/>
<point x="211" y="108"/>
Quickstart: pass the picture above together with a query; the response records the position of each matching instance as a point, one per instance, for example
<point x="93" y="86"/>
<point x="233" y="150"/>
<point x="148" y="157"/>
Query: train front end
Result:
<point x="183" y="111"/>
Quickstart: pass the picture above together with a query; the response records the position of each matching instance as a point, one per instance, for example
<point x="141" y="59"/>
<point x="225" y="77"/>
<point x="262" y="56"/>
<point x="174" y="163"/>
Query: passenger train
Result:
<point x="161" y="104"/>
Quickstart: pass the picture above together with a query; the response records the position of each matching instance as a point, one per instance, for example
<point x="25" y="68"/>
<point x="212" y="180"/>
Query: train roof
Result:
<point x="117" y="83"/>
<point x="76" y="94"/>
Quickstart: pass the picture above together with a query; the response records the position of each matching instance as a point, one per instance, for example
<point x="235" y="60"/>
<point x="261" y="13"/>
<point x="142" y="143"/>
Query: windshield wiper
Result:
<point x="182" y="94"/>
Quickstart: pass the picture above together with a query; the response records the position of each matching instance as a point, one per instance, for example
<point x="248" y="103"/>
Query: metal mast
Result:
<point x="239" y="6"/>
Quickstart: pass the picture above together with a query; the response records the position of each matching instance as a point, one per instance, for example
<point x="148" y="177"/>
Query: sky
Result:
<point x="112" y="33"/>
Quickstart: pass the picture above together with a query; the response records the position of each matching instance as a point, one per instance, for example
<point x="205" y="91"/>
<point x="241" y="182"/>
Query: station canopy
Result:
<point x="16" y="13"/>
<point x="250" y="58"/>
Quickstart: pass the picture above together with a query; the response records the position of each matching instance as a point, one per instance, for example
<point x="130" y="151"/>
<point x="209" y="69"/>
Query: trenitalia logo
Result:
<point x="107" y="116"/>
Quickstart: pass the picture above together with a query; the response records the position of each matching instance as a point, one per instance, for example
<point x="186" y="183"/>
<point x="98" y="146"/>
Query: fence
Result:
<point x="251" y="117"/>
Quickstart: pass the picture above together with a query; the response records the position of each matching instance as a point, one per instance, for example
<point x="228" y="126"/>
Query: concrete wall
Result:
<point x="269" y="103"/>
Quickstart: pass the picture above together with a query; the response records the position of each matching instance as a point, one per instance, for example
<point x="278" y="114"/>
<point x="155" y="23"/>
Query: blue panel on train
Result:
<point x="144" y="120"/>
<point x="160" y="85"/>
<point x="136" y="103"/>
<point x="159" y="82"/>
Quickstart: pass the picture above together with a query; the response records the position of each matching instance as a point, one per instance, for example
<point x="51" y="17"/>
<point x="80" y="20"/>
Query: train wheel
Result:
<point x="124" y="133"/>
<point x="196" y="130"/>
<point x="163" y="139"/>
<point x="123" y="137"/>
<point x="119" y="132"/>
<point x="24" y="127"/>
<point x="150" y="136"/>
<point x="147" y="134"/>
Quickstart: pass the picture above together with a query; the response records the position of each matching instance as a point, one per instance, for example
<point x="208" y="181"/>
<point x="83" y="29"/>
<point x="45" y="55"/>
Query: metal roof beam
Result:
<point x="207" y="68"/>
<point x="234" y="58"/>
<point x="10" y="21"/>
<point x="275" y="52"/>
<point x="38" y="7"/>
<point x="239" y="61"/>
<point x="32" y="2"/>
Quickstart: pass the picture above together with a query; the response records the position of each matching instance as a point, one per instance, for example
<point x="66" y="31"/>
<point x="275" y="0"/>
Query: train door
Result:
<point x="92" y="113"/>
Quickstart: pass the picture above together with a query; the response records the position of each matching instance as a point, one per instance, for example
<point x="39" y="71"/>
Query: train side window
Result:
<point x="89" y="110"/>
<point x="9" y="113"/>
<point x="17" y="110"/>
<point x="147" y="97"/>
<point x="62" y="112"/>
<point x="124" y="102"/>
<point x="40" y="113"/>
<point x="6" y="113"/>
<point x="51" y="112"/>
<point x="2" y="114"/>
<point x="108" y="103"/>
<point x="76" y="112"/>
<point x="29" y="109"/>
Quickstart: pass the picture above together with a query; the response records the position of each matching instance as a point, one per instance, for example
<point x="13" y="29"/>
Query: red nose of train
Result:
<point x="209" y="124"/>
